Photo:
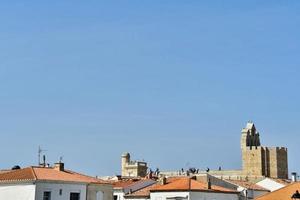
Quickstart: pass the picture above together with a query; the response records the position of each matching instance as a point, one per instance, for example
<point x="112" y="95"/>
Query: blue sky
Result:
<point x="172" y="82"/>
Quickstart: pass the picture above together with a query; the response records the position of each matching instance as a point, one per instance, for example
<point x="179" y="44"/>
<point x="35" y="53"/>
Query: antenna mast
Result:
<point x="40" y="151"/>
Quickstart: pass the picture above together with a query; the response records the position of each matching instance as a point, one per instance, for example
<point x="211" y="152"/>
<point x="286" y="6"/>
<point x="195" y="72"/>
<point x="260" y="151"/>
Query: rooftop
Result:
<point x="189" y="184"/>
<point x="125" y="183"/>
<point x="46" y="174"/>
<point x="145" y="192"/>
<point x="247" y="185"/>
<point x="284" y="193"/>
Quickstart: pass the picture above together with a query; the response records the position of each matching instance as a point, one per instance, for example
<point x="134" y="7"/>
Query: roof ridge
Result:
<point x="81" y="174"/>
<point x="33" y="172"/>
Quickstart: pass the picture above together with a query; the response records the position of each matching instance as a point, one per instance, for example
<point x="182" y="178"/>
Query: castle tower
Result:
<point x="261" y="161"/>
<point x="125" y="159"/>
<point x="252" y="152"/>
<point x="132" y="168"/>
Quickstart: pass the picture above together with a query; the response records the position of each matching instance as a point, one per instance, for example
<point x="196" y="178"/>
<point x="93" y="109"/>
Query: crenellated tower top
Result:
<point x="250" y="136"/>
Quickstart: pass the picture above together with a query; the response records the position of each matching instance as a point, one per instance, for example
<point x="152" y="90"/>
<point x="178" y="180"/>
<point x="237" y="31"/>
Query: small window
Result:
<point x="74" y="196"/>
<point x="60" y="192"/>
<point x="115" y="197"/>
<point x="47" y="195"/>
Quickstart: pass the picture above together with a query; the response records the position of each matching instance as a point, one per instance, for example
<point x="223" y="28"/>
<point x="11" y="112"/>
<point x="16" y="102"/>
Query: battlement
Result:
<point x="277" y="148"/>
<point x="253" y="148"/>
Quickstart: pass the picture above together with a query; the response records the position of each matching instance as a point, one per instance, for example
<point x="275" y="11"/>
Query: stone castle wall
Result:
<point x="262" y="161"/>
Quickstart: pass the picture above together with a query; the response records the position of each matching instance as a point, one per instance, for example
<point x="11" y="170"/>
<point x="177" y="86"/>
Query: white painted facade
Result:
<point x="213" y="196"/>
<point x="251" y="194"/>
<point x="194" y="195"/>
<point x="169" y="195"/>
<point x="25" y="191"/>
<point x="119" y="195"/>
<point x="60" y="191"/>
<point x="270" y="184"/>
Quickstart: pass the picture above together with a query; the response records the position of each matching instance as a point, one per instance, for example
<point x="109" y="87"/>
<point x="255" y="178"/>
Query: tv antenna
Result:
<point x="61" y="159"/>
<point x="40" y="151"/>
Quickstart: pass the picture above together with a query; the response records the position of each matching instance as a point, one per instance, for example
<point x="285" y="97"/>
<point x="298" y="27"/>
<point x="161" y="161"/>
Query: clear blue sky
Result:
<point x="172" y="82"/>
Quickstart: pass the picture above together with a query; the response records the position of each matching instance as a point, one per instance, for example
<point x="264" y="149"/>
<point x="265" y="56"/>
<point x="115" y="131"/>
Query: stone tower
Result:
<point x="262" y="161"/>
<point x="133" y="168"/>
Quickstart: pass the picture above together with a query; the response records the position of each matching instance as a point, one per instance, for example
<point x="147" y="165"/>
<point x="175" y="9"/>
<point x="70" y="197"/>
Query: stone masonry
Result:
<point x="133" y="168"/>
<point x="262" y="161"/>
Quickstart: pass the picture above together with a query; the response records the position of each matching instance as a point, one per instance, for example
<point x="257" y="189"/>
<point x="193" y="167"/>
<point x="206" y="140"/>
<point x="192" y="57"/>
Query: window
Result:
<point x="60" y="192"/>
<point x="115" y="197"/>
<point x="74" y="196"/>
<point x="47" y="195"/>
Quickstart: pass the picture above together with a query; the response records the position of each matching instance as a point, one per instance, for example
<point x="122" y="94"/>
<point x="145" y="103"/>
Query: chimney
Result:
<point x="294" y="177"/>
<point x="59" y="166"/>
<point x="209" y="184"/>
<point x="163" y="180"/>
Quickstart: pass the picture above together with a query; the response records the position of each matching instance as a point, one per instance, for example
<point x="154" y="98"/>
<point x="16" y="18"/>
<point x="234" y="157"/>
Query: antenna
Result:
<point x="44" y="160"/>
<point x="40" y="151"/>
<point x="61" y="159"/>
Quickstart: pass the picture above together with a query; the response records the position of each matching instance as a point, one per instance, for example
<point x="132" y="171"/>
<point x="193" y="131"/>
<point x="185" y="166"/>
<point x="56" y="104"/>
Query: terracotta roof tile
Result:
<point x="18" y="175"/>
<point x="188" y="184"/>
<point x="49" y="174"/>
<point x="284" y="193"/>
<point x="124" y="183"/>
<point x="4" y="171"/>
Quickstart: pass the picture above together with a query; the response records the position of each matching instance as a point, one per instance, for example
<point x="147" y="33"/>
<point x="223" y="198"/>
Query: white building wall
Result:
<point x="252" y="194"/>
<point x="17" y="192"/>
<point x="54" y="188"/>
<point x="165" y="195"/>
<point x="99" y="192"/>
<point x="139" y="198"/>
<point x="213" y="196"/>
<point x="120" y="194"/>
<point x="270" y="184"/>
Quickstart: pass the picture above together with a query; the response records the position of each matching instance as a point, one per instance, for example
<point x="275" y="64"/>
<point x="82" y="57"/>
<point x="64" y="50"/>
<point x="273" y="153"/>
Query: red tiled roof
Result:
<point x="18" y="175"/>
<point x="45" y="173"/>
<point x="4" y="171"/>
<point x="124" y="183"/>
<point x="188" y="184"/>
<point x="284" y="193"/>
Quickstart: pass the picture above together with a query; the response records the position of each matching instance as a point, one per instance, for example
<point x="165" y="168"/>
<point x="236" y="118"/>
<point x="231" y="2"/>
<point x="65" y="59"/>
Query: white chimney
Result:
<point x="294" y="177"/>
